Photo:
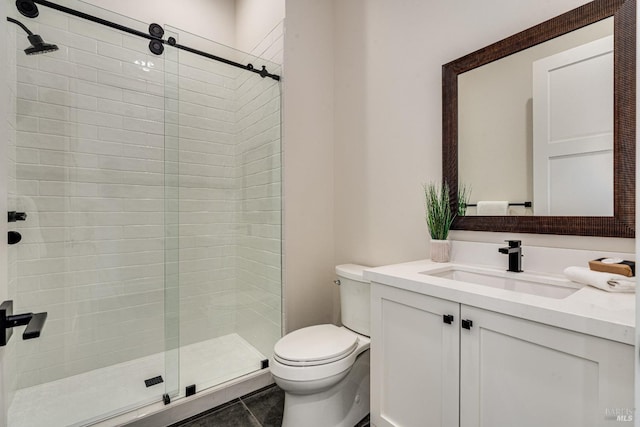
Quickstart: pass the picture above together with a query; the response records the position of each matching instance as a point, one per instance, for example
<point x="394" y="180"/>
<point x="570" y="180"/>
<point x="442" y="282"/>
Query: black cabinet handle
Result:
<point x="466" y="324"/>
<point x="447" y="318"/>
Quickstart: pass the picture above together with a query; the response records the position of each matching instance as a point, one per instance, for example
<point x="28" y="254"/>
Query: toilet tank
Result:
<point x="355" y="298"/>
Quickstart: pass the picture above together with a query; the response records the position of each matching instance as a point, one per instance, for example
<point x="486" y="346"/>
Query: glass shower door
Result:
<point x="88" y="165"/>
<point x="229" y="202"/>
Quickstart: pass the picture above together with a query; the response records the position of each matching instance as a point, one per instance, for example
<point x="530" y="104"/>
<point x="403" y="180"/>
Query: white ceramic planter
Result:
<point x="440" y="250"/>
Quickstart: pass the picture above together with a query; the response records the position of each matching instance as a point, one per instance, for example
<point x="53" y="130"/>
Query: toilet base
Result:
<point x="342" y="405"/>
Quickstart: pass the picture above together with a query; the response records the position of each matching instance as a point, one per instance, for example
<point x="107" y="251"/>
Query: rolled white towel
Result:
<point x="491" y="207"/>
<point x="606" y="281"/>
<point x="622" y="285"/>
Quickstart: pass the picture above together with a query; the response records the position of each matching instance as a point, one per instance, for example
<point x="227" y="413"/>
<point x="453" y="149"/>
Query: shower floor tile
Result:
<point x="95" y="395"/>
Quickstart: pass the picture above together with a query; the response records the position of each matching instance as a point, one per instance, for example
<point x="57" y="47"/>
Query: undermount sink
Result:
<point x="528" y="283"/>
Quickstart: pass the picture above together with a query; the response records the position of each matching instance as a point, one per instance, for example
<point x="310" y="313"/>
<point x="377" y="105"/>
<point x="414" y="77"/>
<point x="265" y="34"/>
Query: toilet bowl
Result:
<point x="323" y="385"/>
<point x="324" y="369"/>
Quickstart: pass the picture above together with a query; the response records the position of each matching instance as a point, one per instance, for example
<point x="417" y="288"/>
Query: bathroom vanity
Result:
<point x="464" y="345"/>
<point x="457" y="345"/>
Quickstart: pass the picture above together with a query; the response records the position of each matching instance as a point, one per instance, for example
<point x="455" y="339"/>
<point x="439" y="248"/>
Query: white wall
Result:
<point x="254" y="19"/>
<point x="242" y="24"/>
<point x="388" y="116"/>
<point x="308" y="111"/>
<point x="212" y="19"/>
<point x="385" y="91"/>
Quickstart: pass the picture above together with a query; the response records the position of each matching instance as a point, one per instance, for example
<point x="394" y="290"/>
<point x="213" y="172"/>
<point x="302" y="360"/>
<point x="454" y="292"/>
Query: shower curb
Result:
<point x="158" y="414"/>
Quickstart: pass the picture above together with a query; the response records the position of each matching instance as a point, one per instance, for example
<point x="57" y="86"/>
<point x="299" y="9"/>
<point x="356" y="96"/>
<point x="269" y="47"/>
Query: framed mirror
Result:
<point x="539" y="128"/>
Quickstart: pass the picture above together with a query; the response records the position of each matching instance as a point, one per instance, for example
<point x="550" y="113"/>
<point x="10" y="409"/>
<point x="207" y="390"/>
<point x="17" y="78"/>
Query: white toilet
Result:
<point x="324" y="369"/>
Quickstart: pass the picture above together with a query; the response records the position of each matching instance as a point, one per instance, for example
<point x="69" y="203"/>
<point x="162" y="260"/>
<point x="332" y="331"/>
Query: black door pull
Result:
<point x="466" y="324"/>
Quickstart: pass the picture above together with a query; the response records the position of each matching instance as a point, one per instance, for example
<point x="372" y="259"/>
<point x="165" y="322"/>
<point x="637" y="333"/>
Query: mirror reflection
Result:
<point x="535" y="129"/>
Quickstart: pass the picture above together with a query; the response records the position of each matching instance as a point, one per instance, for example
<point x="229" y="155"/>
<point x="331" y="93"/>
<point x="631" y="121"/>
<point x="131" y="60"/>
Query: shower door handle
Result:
<point x="34" y="322"/>
<point x="35" y="326"/>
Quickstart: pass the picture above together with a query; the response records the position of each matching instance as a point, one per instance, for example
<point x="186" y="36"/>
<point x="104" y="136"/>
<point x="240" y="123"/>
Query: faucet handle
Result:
<point x="514" y="243"/>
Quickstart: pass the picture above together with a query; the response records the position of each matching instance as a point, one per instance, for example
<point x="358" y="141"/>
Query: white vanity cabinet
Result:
<point x="516" y="372"/>
<point x="503" y="371"/>
<point x="415" y="359"/>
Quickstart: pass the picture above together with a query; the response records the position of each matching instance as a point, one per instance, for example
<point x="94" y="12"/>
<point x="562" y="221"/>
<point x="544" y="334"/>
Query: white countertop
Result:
<point x="589" y="310"/>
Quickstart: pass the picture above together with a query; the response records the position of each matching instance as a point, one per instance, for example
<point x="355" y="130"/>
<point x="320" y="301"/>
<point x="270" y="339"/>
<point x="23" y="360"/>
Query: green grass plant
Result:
<point x="438" y="210"/>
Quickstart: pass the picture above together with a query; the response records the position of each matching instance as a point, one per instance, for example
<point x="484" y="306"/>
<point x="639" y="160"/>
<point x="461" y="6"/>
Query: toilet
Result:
<point x="324" y="369"/>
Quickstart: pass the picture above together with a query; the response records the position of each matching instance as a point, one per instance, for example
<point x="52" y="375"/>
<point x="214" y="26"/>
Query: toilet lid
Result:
<point x="315" y="345"/>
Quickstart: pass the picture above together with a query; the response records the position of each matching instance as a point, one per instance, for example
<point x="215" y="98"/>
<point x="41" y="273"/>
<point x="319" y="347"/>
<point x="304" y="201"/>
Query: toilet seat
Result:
<point x="315" y="345"/>
<point x="321" y="370"/>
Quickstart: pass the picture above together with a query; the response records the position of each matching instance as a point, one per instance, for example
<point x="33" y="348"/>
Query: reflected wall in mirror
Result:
<point x="540" y="127"/>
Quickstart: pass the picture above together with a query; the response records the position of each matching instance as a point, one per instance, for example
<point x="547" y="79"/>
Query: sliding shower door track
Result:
<point x="156" y="45"/>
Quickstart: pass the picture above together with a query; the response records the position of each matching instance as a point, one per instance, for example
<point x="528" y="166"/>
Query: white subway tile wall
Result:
<point x="103" y="184"/>
<point x="259" y="169"/>
<point x="259" y="245"/>
<point x="227" y="121"/>
<point x="207" y="198"/>
<point x="90" y="175"/>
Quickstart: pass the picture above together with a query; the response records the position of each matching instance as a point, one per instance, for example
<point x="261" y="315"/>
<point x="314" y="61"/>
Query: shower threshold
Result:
<point x="92" y="396"/>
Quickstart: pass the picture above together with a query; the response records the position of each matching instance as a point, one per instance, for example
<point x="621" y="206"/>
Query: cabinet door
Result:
<point x="415" y="359"/>
<point x="515" y="372"/>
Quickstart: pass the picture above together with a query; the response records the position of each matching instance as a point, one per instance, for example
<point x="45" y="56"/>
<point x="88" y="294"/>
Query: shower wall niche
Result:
<point x="152" y="186"/>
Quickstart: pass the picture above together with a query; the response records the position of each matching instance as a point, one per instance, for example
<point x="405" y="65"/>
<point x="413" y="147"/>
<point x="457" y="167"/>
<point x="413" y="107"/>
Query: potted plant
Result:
<point x="439" y="219"/>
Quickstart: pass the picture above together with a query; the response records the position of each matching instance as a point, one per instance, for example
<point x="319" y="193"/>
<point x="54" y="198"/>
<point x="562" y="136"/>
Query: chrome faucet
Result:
<point x="514" y="250"/>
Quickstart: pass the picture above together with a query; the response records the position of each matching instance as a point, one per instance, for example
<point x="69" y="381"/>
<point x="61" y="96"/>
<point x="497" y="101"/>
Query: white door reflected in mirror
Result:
<point x="573" y="131"/>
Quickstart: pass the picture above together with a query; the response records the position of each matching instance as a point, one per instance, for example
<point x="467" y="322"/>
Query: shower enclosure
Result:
<point x="152" y="188"/>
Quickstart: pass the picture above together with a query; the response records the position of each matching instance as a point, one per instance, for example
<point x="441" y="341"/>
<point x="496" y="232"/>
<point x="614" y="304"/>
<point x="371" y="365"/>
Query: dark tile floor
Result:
<point x="262" y="408"/>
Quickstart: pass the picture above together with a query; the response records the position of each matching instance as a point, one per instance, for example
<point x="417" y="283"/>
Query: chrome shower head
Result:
<point x="37" y="44"/>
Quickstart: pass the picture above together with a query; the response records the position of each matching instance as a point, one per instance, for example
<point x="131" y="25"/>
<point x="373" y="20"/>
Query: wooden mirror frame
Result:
<point x="622" y="223"/>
